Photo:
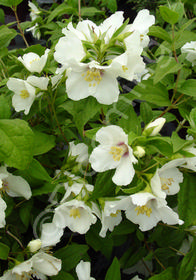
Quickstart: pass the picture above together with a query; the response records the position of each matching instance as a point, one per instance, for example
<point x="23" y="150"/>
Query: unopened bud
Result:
<point x="34" y="245"/>
<point x="139" y="151"/>
<point x="154" y="127"/>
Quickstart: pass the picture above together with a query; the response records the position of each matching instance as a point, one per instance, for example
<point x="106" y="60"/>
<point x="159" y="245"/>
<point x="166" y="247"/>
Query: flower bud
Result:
<point x="139" y="151"/>
<point x="34" y="245"/>
<point x="154" y="127"/>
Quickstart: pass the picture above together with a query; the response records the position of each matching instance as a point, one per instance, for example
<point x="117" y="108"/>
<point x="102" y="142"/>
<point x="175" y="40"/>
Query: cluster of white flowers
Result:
<point x="34" y="13"/>
<point x="87" y="51"/>
<point x="145" y="208"/>
<point x="40" y="265"/>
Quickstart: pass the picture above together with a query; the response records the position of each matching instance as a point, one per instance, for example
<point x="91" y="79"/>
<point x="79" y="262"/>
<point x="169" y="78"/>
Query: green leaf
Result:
<point x="62" y="275"/>
<point x="178" y="8"/>
<point x="125" y="227"/>
<point x="130" y="122"/>
<point x="165" y="66"/>
<point x="59" y="11"/>
<point x="161" y="144"/>
<point x="104" y="185"/>
<point x="178" y="143"/>
<point x="16" y="143"/>
<point x="71" y="255"/>
<point x="104" y="245"/>
<point x="146" y="112"/>
<point x="187" y="200"/>
<point x="91" y="132"/>
<point x="167" y="274"/>
<point x="4" y="251"/>
<point x="43" y="143"/>
<point x="82" y="111"/>
<point x="187" y="267"/>
<point x="37" y="171"/>
<point x="2" y="16"/>
<point x="114" y="271"/>
<point x="90" y="11"/>
<point x="6" y="35"/>
<point x="168" y="15"/>
<point x="5" y="110"/>
<point x="188" y="87"/>
<point x="25" y="212"/>
<point x="110" y="4"/>
<point x="10" y="3"/>
<point x="192" y="118"/>
<point x="159" y="32"/>
<point x="47" y="188"/>
<point x="154" y="94"/>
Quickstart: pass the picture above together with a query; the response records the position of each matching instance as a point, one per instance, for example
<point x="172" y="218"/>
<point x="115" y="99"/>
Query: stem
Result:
<point x="180" y="125"/>
<point x="13" y="236"/>
<point x="147" y="268"/>
<point x="177" y="251"/>
<point x="19" y="27"/>
<point x="79" y="9"/>
<point x="57" y="122"/>
<point x="173" y="44"/>
<point x="150" y="167"/>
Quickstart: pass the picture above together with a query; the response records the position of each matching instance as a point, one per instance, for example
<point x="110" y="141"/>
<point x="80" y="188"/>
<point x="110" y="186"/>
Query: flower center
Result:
<point x="119" y="151"/>
<point x="113" y="215"/>
<point x="34" y="60"/>
<point x="124" y="68"/>
<point x="143" y="210"/>
<point x="74" y="212"/>
<point x="24" y="94"/>
<point x="93" y="77"/>
<point x="166" y="182"/>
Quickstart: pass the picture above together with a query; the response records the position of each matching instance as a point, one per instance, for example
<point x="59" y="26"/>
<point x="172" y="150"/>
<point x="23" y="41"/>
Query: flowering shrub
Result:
<point x="92" y="166"/>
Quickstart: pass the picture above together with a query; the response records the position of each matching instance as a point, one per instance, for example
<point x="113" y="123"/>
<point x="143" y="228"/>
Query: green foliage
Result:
<point x="6" y="35"/>
<point x="113" y="271"/>
<point x="4" y="251"/>
<point x="16" y="143"/>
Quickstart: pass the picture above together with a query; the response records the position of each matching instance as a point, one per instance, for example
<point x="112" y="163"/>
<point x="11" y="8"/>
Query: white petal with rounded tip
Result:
<point x="155" y="183"/>
<point x="111" y="135"/>
<point x="23" y="267"/>
<point x="3" y="207"/>
<point x="143" y="21"/>
<point x="124" y="172"/>
<point x="39" y="82"/>
<point x="50" y="234"/>
<point x="46" y="264"/>
<point x="83" y="270"/>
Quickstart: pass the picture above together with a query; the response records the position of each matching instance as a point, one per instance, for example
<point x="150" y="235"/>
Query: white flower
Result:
<point x="110" y="216"/>
<point x="76" y="189"/>
<point x="33" y="62"/>
<point x="3" y="207"/>
<point x="74" y="214"/>
<point x="14" y="186"/>
<point x="34" y="11"/>
<point x="40" y="266"/>
<point x="190" y="49"/>
<point x="92" y="79"/>
<point x="166" y="180"/>
<point x="136" y="278"/>
<point x="24" y="94"/>
<point x="34" y="245"/>
<point x="35" y="31"/>
<point x="114" y="152"/>
<point x="153" y="128"/>
<point x="80" y="151"/>
<point x="147" y="210"/>
<point x="190" y="162"/>
<point x="25" y="91"/>
<point x="83" y="270"/>
<point x="141" y="24"/>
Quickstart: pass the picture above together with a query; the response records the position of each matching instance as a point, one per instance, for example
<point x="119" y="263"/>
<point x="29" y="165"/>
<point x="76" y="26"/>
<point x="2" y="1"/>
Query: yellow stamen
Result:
<point x="113" y="215"/>
<point x="24" y="94"/>
<point x="33" y="60"/>
<point x="124" y="68"/>
<point x="166" y="182"/>
<point x="74" y="212"/>
<point x="118" y="151"/>
<point x="92" y="75"/>
<point x="143" y="210"/>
